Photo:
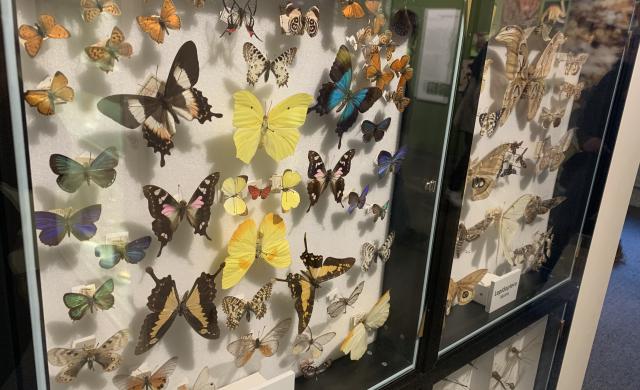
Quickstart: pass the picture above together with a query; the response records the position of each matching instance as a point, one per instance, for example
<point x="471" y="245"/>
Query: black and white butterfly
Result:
<point x="161" y="105"/>
<point x="374" y="131"/>
<point x="369" y="253"/>
<point x="340" y="304"/>
<point x="235" y="308"/>
<point x="235" y="15"/>
<point x="321" y="178"/>
<point x="258" y="64"/>
<point x="292" y="22"/>
<point x="489" y="121"/>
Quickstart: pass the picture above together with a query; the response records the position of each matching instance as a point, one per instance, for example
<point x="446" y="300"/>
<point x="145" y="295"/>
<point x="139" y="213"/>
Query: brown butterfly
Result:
<point x="474" y="232"/>
<point x="568" y="90"/>
<point x="549" y="156"/>
<point x="235" y="308"/>
<point x="463" y="291"/>
<point x="156" y="381"/>
<point x="549" y="117"/>
<point x="156" y="26"/>
<point x="92" y="8"/>
<point x="573" y="63"/>
<point x="245" y="346"/>
<point x="537" y="206"/>
<point x="106" y="54"/>
<point x="45" y="28"/>
<point x="483" y="174"/>
<point x="45" y="100"/>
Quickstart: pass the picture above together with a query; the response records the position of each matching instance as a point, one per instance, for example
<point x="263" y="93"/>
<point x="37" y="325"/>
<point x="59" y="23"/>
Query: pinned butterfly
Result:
<point x="54" y="226"/>
<point x="133" y="252"/>
<point x="292" y="21"/>
<point x="45" y="28"/>
<point x="79" y="303"/>
<point x="105" y="54"/>
<point x="258" y="65"/>
<point x="50" y="93"/>
<point x="321" y="179"/>
<point x="156" y="26"/>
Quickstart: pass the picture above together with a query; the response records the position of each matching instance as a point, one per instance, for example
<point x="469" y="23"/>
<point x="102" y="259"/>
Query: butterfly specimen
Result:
<point x="390" y="163"/>
<point x="78" y="303"/>
<point x="45" y="28"/>
<point x="277" y="131"/>
<point x="369" y="36"/>
<point x="232" y="188"/>
<point x="203" y="382"/>
<point x="245" y="346"/>
<point x="549" y="117"/>
<point x="71" y="174"/>
<point x="536" y="254"/>
<point x="340" y="304"/>
<point x="159" y="110"/>
<point x="484" y="173"/>
<point x="573" y="63"/>
<point x="132" y="253"/>
<point x="46" y="99"/>
<point x="290" y="197"/>
<point x="148" y="381"/>
<point x="258" y="64"/>
<point x="105" y="54"/>
<point x="303" y="285"/>
<point x="356" y="341"/>
<point x="310" y="371"/>
<point x="374" y="72"/>
<point x="374" y="131"/>
<point x="91" y="9"/>
<point x="351" y="9"/>
<point x="357" y="201"/>
<point x="537" y="206"/>
<point x="236" y="15"/>
<point x="54" y="227"/>
<point x="305" y="342"/>
<point x="159" y="25"/>
<point x="337" y="93"/>
<point x="292" y="22"/>
<point x="257" y="192"/>
<point x="525" y="80"/>
<point x="73" y="359"/>
<point x="403" y="22"/>
<point x="370" y="253"/>
<point x="402" y="69"/>
<point x="474" y="232"/>
<point x="462" y="291"/>
<point x="549" y="156"/>
<point x="568" y="90"/>
<point x="489" y="121"/>
<point x="379" y="212"/>
<point x="236" y="308"/>
<point x="502" y="381"/>
<point x="321" y="178"/>
<point x="249" y="243"/>
<point x="167" y="212"/>
<point x="196" y="306"/>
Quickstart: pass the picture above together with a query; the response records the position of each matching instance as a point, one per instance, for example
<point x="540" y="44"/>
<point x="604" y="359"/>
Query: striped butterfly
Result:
<point x="236" y="308"/>
<point x="370" y="253"/>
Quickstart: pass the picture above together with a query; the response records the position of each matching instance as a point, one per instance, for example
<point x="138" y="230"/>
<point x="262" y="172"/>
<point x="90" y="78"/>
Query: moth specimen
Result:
<point x="501" y="161"/>
<point x="462" y="292"/>
<point x="537" y="206"/>
<point x="355" y="344"/>
<point x="550" y="156"/>
<point x="550" y="117"/>
<point x="489" y="121"/>
<point x="573" y="63"/>
<point x="474" y="232"/>
<point x="568" y="90"/>
<point x="535" y="254"/>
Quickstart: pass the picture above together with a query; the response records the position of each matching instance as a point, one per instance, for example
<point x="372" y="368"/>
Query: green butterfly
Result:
<point x="78" y="304"/>
<point x="71" y="174"/>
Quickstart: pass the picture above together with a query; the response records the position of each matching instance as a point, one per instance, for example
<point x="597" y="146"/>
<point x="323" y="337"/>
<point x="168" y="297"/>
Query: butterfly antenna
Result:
<point x="179" y="192"/>
<point x="153" y="275"/>
<point x="219" y="269"/>
<point x="305" y="242"/>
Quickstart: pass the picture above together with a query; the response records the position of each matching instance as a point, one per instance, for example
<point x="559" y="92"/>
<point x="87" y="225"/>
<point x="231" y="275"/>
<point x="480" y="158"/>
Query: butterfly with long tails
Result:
<point x="105" y="54"/>
<point x="71" y="174"/>
<point x="258" y="64"/>
<point x="235" y="15"/>
<point x="159" y="25"/>
<point x="338" y="93"/>
<point x="132" y="252"/>
<point x="303" y="285"/>
<point x="147" y="381"/>
<point x="321" y="179"/>
<point x="160" y="109"/>
<point x="167" y="212"/>
<point x="54" y="227"/>
<point x="355" y="344"/>
<point x="236" y="308"/>
<point x="45" y="28"/>
<point x="79" y="303"/>
<point x="339" y="304"/>
<point x="243" y="348"/>
<point x="47" y="98"/>
<point x="390" y="163"/>
<point x="196" y="306"/>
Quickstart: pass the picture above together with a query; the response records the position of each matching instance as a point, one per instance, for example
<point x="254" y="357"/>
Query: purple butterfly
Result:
<point x="55" y="226"/>
<point x="356" y="200"/>
<point x="389" y="163"/>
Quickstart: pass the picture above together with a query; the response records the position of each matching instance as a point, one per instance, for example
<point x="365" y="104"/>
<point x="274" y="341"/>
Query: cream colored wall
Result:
<point x="602" y="252"/>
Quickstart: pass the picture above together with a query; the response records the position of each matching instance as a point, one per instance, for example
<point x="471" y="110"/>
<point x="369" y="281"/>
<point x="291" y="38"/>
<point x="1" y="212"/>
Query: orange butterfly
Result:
<point x="401" y="69"/>
<point x="46" y="27"/>
<point x="105" y="54"/>
<point x="262" y="193"/>
<point x="156" y="26"/>
<point x="92" y="8"/>
<point x="45" y="100"/>
<point x="351" y="9"/>
<point x="374" y="72"/>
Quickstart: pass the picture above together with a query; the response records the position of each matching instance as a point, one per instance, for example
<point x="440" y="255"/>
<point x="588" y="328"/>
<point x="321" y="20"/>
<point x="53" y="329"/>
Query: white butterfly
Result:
<point x="259" y="64"/>
<point x="203" y="382"/>
<point x="305" y="342"/>
<point x="370" y="253"/>
<point x="356" y="341"/>
<point x="340" y="304"/>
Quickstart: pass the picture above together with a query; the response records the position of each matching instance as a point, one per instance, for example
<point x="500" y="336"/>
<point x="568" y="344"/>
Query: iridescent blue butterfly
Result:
<point x="389" y="163"/>
<point x="357" y="201"/>
<point x="55" y="226"/>
<point x="71" y="174"/>
<point x="133" y="252"/>
<point x="337" y="93"/>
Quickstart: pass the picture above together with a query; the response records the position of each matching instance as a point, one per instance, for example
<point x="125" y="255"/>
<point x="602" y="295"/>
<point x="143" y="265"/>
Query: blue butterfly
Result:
<point x="337" y="93"/>
<point x="133" y="252"/>
<point x="55" y="226"/>
<point x="71" y="174"/>
<point x="389" y="163"/>
<point x="357" y="201"/>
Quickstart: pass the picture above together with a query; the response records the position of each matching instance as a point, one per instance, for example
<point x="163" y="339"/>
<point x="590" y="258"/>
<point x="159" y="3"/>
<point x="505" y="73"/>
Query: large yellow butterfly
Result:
<point x="249" y="243"/>
<point x="232" y="188"/>
<point x="290" y="197"/>
<point x="277" y="131"/>
<point x="157" y="25"/>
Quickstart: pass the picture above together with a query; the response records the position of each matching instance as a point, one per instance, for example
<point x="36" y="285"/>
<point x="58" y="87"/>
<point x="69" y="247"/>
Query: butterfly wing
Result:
<point x="41" y="100"/>
<point x="302" y="342"/>
<point x="355" y="294"/>
<point x="151" y="25"/>
<point x="241" y="253"/>
<point x="232" y="188"/>
<point x="318" y="175"/>
<point x="368" y="254"/>
<point x="360" y="101"/>
<point x="32" y="39"/>
<point x="134" y="251"/>
<point x="467" y="285"/>
<point x="510" y="225"/>
<point x="279" y="67"/>
<point x="102" y="169"/>
<point x="291" y="22"/>
<point x="336" y="307"/>
<point x="234" y="308"/>
<point x="71" y="359"/>
<point x="82" y="222"/>
<point x="385" y="160"/>
<point x="169" y="15"/>
<point x="351" y="9"/>
<point x="242" y="349"/>
<point x="384" y="252"/>
<point x="78" y="304"/>
<point x="160" y="377"/>
<point x="199" y="206"/>
<point x="51" y="28"/>
<point x="274" y="245"/>
<point x="269" y="343"/>
<point x="199" y="309"/>
<point x="355" y="343"/>
<point x="60" y="88"/>
<point x="483" y="174"/>
<point x="379" y="313"/>
<point x="256" y="62"/>
<point x="303" y="293"/>
<point x="248" y="116"/>
<point x="340" y="170"/>
<point x="258" y="303"/>
<point x="103" y="297"/>
<point x="290" y="197"/>
<point x="164" y="209"/>
<point x="311" y="21"/>
<point x="319" y="342"/>
<point x="282" y="135"/>
<point x="71" y="174"/>
<point x="203" y="382"/>
<point x="106" y="354"/>
<point x="53" y="227"/>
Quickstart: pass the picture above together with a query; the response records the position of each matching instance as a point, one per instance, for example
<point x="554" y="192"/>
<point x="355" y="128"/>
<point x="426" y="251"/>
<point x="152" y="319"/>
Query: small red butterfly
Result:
<point x="256" y="192"/>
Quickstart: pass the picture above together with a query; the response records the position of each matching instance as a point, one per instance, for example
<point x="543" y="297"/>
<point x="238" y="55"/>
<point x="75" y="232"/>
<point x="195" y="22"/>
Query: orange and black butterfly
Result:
<point x="91" y="9"/>
<point x="157" y="25"/>
<point x="402" y="69"/>
<point x="45" y="99"/>
<point x="374" y="72"/>
<point x="45" y="28"/>
<point x="105" y="54"/>
<point x="351" y="9"/>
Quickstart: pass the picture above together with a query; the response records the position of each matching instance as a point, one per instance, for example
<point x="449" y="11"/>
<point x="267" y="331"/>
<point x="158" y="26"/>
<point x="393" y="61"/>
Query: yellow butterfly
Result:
<point x="290" y="197"/>
<point x="356" y="341"/>
<point x="277" y="131"/>
<point x="232" y="189"/>
<point x="249" y="243"/>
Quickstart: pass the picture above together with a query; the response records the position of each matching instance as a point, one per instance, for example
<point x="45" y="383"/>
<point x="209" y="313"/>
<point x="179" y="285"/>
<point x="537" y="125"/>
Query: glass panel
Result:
<point x="159" y="182"/>
<point x="543" y="74"/>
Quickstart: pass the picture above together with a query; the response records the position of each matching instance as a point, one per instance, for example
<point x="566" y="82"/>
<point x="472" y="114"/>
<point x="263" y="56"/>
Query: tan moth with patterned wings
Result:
<point x="235" y="307"/>
<point x="474" y="232"/>
<point x="500" y="162"/>
<point x="549" y="156"/>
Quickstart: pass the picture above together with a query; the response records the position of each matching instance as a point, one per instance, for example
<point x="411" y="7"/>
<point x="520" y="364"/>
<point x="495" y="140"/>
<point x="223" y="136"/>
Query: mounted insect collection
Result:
<point x="213" y="182"/>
